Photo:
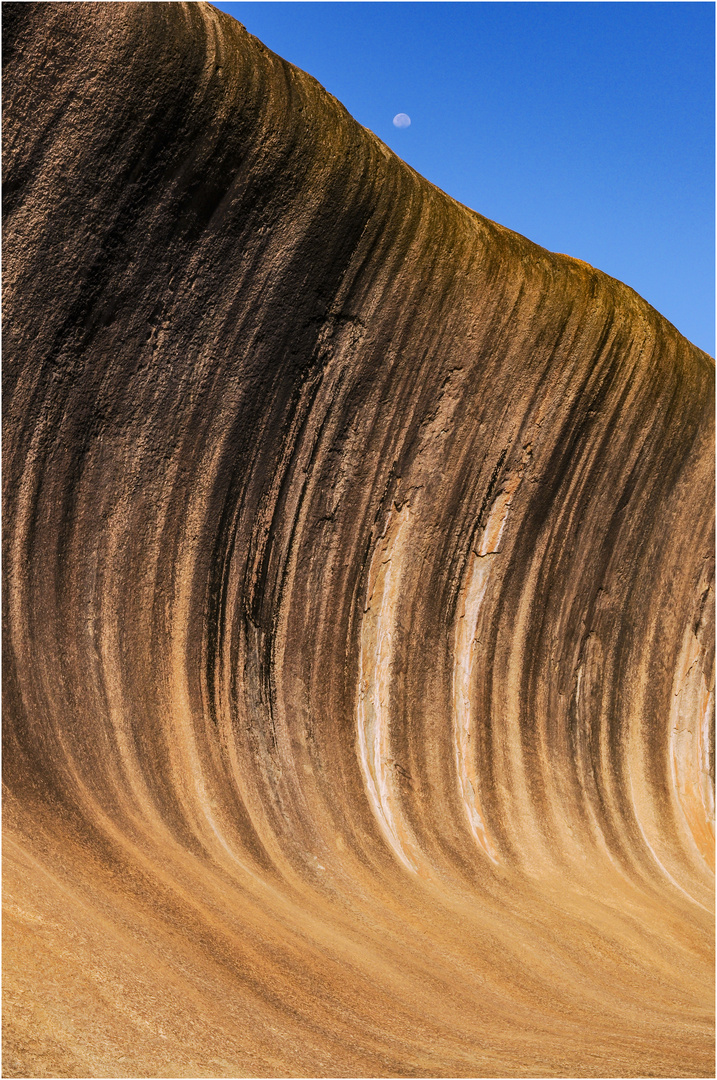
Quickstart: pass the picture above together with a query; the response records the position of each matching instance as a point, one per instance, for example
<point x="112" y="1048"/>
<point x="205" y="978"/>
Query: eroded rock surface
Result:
<point x="358" y="581"/>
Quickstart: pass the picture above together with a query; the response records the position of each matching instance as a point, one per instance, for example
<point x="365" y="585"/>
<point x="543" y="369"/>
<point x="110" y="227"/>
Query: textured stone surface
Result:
<point x="357" y="597"/>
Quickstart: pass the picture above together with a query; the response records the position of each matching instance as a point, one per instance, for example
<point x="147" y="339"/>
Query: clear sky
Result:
<point x="588" y="127"/>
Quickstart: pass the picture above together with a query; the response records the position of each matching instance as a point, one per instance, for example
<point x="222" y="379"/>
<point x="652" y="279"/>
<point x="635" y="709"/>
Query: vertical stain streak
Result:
<point x="690" y="717"/>
<point x="378" y="629"/>
<point x="466" y="655"/>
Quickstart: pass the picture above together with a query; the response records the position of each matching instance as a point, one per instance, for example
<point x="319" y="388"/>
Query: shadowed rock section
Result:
<point x="357" y="599"/>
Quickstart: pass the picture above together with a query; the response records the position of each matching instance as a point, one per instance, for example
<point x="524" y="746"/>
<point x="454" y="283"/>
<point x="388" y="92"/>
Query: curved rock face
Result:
<point x="358" y="581"/>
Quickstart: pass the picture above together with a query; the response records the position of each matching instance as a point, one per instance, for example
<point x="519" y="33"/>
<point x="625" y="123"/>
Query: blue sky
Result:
<point x="588" y="127"/>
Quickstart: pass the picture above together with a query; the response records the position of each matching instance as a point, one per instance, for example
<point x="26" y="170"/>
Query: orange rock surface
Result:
<point x="358" y="598"/>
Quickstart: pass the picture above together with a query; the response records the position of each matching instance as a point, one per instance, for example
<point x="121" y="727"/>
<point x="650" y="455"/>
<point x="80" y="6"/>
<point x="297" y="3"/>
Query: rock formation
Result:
<point x="357" y="597"/>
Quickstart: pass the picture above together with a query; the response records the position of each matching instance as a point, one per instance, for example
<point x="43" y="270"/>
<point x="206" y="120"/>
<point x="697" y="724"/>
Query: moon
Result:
<point x="401" y="120"/>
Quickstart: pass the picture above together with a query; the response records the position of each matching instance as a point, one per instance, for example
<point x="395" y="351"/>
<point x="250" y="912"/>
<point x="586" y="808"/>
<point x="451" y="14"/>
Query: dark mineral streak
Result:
<point x="357" y="598"/>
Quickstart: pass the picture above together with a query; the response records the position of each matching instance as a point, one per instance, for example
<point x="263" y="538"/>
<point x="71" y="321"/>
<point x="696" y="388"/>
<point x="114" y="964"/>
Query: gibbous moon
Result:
<point x="401" y="120"/>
